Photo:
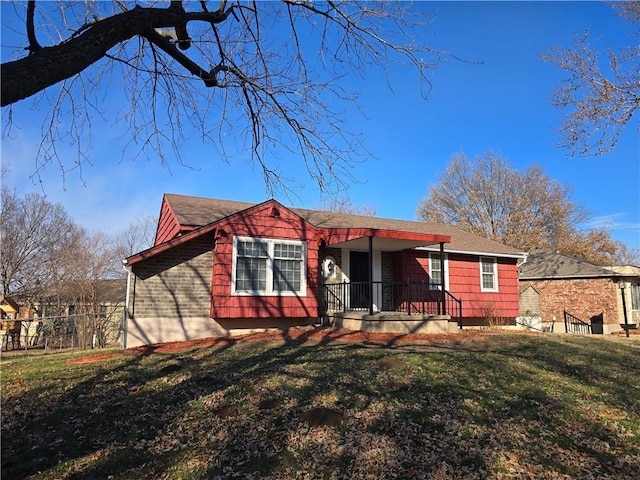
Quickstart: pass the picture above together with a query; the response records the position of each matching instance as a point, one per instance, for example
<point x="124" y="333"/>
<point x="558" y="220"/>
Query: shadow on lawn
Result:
<point x="320" y="407"/>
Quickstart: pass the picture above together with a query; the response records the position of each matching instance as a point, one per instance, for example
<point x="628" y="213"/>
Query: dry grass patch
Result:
<point x="492" y="406"/>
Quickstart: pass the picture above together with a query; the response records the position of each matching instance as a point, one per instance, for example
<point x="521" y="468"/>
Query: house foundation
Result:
<point x="392" y="322"/>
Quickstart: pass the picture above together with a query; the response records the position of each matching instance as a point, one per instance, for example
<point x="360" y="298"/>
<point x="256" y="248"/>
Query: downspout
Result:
<point x="125" y="317"/>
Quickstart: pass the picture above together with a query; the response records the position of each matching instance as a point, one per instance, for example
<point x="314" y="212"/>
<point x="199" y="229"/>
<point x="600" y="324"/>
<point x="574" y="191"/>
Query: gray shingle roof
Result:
<point x="107" y="290"/>
<point x="198" y="211"/>
<point x="546" y="265"/>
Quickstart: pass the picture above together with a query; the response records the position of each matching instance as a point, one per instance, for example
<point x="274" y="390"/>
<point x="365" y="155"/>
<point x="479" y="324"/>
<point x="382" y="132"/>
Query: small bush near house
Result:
<point x="475" y="406"/>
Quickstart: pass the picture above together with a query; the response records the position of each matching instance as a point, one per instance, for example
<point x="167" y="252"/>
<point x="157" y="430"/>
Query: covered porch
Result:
<point x="406" y="298"/>
<point x="360" y="285"/>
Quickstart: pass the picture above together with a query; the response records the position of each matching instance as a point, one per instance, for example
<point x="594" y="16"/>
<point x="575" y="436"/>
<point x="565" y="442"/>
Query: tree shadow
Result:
<point x="299" y="403"/>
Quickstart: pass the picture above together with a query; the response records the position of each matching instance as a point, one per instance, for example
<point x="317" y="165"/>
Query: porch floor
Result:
<point x="392" y="322"/>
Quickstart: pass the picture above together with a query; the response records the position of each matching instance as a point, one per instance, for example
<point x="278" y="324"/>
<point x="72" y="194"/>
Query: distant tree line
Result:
<point x="524" y="209"/>
<point x="45" y="254"/>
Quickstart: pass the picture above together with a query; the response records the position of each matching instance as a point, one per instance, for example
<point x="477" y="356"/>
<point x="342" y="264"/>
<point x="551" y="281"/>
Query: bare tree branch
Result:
<point x="271" y="73"/>
<point x="600" y="96"/>
<point x="49" y="65"/>
<point x="34" y="46"/>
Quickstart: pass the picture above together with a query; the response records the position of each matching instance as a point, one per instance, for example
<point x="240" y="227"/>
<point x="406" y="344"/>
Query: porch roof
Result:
<point x="387" y="240"/>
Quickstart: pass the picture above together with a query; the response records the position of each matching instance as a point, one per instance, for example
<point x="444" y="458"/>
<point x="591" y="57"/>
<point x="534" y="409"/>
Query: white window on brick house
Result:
<point x="488" y="274"/>
<point x="435" y="272"/>
<point x="263" y="266"/>
<point x="635" y="296"/>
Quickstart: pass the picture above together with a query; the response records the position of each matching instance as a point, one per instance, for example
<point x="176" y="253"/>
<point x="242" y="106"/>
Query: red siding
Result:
<point x="464" y="281"/>
<point x="168" y="226"/>
<point x="263" y="222"/>
<point x="411" y="266"/>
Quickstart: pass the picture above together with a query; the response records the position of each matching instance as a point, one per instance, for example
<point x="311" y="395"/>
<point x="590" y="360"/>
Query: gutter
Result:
<point x="125" y="317"/>
<point x="478" y="253"/>
<point x="524" y="260"/>
<point x="573" y="277"/>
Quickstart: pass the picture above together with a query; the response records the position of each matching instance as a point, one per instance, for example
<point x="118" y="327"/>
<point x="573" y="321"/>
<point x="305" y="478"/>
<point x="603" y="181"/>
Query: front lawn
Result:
<point x="481" y="406"/>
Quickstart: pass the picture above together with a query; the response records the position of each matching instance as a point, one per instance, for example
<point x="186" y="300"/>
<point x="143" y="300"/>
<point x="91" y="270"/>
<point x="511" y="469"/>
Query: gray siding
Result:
<point x="176" y="283"/>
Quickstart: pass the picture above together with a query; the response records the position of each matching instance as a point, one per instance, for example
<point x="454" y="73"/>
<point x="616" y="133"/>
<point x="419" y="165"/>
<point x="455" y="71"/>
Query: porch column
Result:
<point x="443" y="294"/>
<point x="370" y="275"/>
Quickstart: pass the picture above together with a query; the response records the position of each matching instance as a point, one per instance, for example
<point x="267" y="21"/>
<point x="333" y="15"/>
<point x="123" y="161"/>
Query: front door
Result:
<point x="359" y="275"/>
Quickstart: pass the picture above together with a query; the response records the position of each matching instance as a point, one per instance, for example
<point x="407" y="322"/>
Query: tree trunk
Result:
<point x="50" y="65"/>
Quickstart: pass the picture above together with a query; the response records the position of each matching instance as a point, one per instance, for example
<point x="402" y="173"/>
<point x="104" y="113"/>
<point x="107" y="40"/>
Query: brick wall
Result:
<point x="386" y="274"/>
<point x="584" y="298"/>
<point x="386" y="259"/>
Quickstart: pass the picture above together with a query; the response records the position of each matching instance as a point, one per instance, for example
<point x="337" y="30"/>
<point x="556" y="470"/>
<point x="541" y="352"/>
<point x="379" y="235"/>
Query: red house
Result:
<point x="221" y="267"/>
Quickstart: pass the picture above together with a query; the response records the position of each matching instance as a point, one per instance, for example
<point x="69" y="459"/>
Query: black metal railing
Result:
<point x="453" y="307"/>
<point x="573" y="324"/>
<point x="411" y="298"/>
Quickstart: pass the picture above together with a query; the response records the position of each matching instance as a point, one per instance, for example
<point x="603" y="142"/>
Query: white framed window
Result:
<point x="488" y="274"/>
<point x="263" y="266"/>
<point x="635" y="296"/>
<point x="435" y="272"/>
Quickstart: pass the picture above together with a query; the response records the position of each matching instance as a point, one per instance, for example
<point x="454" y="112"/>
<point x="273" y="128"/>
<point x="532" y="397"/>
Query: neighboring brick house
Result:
<point x="585" y="290"/>
<point x="221" y="268"/>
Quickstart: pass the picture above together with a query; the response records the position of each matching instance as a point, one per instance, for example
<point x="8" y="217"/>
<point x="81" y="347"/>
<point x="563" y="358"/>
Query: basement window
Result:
<point x="263" y="266"/>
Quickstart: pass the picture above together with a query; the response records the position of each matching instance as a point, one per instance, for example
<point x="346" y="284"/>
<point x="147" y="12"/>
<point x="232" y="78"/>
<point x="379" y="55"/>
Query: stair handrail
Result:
<point x="577" y="324"/>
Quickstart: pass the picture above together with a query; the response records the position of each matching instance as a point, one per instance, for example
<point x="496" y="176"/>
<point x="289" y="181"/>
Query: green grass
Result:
<point x="500" y="406"/>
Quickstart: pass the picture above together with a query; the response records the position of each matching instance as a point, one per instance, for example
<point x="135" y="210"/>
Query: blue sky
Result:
<point x="501" y="104"/>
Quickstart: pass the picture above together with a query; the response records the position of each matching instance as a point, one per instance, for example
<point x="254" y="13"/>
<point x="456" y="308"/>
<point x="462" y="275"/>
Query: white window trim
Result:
<point x="269" y="291"/>
<point x="631" y="289"/>
<point x="446" y="270"/>
<point x="494" y="262"/>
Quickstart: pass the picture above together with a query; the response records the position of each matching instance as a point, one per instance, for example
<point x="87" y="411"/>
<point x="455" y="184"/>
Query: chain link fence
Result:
<point x="80" y="331"/>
